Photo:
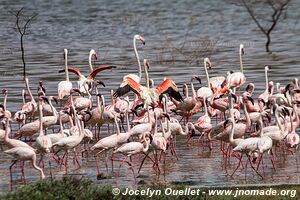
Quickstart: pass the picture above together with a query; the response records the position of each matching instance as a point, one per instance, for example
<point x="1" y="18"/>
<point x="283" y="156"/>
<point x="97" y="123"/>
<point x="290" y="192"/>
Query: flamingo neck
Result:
<point x="28" y="89"/>
<point x="186" y="90"/>
<point x="260" y="121"/>
<point x="60" y="124"/>
<point x="4" y="102"/>
<point x="117" y="126"/>
<point x="146" y="148"/>
<point x="248" y="121"/>
<point x="277" y="120"/>
<point x="112" y="97"/>
<point x="231" y="140"/>
<point x="137" y="58"/>
<point x="66" y="67"/>
<point x="205" y="107"/>
<point x="266" y="78"/>
<point x="147" y="77"/>
<point x="207" y="76"/>
<point x="241" y="62"/>
<point x="155" y="124"/>
<point x="90" y="61"/>
<point x="41" y="118"/>
<point x="23" y="96"/>
<point x="193" y="91"/>
<point x="53" y="109"/>
<point x="7" y="130"/>
<point x="36" y="167"/>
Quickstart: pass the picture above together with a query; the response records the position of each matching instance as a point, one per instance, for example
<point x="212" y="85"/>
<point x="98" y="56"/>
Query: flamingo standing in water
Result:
<point x="43" y="142"/>
<point x="23" y="154"/>
<point x="72" y="141"/>
<point x="204" y="126"/>
<point x="133" y="148"/>
<point x="64" y="87"/>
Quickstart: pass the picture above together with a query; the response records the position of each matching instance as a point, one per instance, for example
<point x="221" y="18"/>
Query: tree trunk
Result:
<point x="23" y="58"/>
<point x="268" y="43"/>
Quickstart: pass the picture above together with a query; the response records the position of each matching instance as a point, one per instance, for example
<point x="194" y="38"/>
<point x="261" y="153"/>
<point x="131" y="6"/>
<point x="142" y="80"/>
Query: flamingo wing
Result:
<point x="74" y="70"/>
<point x="169" y="87"/>
<point x="128" y="85"/>
<point x="99" y="69"/>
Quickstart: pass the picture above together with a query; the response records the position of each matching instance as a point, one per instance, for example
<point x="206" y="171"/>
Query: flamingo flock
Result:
<point x="144" y="119"/>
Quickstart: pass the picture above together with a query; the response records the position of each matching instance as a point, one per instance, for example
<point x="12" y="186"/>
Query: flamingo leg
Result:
<point x="240" y="161"/>
<point x="10" y="171"/>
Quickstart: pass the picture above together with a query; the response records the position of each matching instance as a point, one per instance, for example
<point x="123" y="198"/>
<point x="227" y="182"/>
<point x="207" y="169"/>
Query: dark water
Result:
<point x="176" y="36"/>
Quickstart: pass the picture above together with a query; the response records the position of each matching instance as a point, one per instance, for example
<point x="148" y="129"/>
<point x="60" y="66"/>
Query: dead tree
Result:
<point x="22" y="24"/>
<point x="277" y="7"/>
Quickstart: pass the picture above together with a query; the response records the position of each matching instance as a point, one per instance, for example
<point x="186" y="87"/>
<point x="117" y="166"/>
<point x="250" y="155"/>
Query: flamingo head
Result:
<point x="65" y="53"/>
<point x="73" y="90"/>
<point x="43" y="98"/>
<point x="194" y="77"/>
<point x="141" y="38"/>
<point x="146" y="63"/>
<point x="267" y="67"/>
<point x="54" y="99"/>
<point x="98" y="82"/>
<point x="4" y="91"/>
<point x="242" y="52"/>
<point x="93" y="54"/>
<point x="207" y="61"/>
<point x="167" y="116"/>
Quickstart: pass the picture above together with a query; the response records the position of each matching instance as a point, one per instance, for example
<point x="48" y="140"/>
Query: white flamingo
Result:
<point x="64" y="87"/>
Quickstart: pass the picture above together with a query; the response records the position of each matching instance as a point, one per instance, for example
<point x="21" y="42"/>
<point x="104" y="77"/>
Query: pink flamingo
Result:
<point x="30" y="107"/>
<point x="133" y="148"/>
<point x="237" y="79"/>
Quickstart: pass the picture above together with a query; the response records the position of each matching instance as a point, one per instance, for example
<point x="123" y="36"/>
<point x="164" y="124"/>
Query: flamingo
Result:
<point x="136" y="78"/>
<point x="188" y="104"/>
<point x="292" y="138"/>
<point x="11" y="143"/>
<point x="133" y="148"/>
<point x="72" y="141"/>
<point x="147" y="94"/>
<point x="111" y="141"/>
<point x="237" y="79"/>
<point x="88" y="81"/>
<point x="265" y="95"/>
<point x="64" y="87"/>
<point x="203" y="124"/>
<point x="206" y="91"/>
<point x="23" y="154"/>
<point x="254" y="144"/>
<point x="43" y="142"/>
<point x="30" y="107"/>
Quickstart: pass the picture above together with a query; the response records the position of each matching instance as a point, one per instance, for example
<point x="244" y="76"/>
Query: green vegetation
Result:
<point x="82" y="188"/>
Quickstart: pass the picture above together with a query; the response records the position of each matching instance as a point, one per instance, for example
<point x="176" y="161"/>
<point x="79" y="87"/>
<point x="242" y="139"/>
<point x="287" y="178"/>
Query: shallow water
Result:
<point x="176" y="36"/>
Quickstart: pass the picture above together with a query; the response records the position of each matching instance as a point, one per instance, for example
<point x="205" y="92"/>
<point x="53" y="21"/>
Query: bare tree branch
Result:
<point x="278" y="8"/>
<point x="22" y="31"/>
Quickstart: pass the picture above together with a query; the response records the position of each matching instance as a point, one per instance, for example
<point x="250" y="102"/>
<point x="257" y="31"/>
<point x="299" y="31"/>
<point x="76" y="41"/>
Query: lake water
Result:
<point x="178" y="36"/>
